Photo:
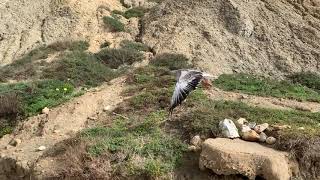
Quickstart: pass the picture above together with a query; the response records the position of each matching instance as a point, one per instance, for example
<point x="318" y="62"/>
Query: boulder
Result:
<point x="228" y="129"/>
<point x="231" y="157"/>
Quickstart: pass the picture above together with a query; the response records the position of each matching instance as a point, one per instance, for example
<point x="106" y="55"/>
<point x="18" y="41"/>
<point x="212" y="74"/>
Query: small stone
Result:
<point x="196" y="141"/>
<point x="41" y="148"/>
<point x="193" y="148"/>
<point x="45" y="111"/>
<point x="228" y="129"/>
<point x="244" y="96"/>
<point x="15" y="142"/>
<point x="107" y="108"/>
<point x="263" y="137"/>
<point x="280" y="127"/>
<point x="56" y="131"/>
<point x="251" y="136"/>
<point x="261" y="127"/>
<point x="245" y="128"/>
<point x="271" y="140"/>
<point x="92" y="118"/>
<point x="240" y="122"/>
<point x="252" y="125"/>
<point x="301" y="128"/>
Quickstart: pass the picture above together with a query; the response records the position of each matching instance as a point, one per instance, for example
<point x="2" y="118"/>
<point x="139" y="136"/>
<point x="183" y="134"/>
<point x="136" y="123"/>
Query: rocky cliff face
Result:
<point x="268" y="37"/>
<point x="27" y="24"/>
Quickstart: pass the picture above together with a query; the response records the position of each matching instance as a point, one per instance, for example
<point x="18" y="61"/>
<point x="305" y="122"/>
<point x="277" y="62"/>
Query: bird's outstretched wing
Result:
<point x="187" y="82"/>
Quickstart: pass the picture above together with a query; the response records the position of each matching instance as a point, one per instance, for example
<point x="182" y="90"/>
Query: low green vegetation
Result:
<point x="126" y="44"/>
<point x="80" y="69"/>
<point x="115" y="24"/>
<point x="134" y="12"/>
<point x="148" y="150"/>
<point x="308" y="79"/>
<point x="172" y="61"/>
<point x="115" y="58"/>
<point x="266" y="87"/>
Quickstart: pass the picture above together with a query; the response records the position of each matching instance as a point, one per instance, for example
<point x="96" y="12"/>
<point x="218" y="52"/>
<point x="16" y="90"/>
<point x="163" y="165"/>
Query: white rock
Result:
<point x="196" y="141"/>
<point x="245" y="128"/>
<point x="271" y="140"/>
<point x="263" y="137"/>
<point x="261" y="127"/>
<point x="193" y="148"/>
<point x="41" y="148"/>
<point x="107" y="108"/>
<point x="228" y="129"/>
<point x="45" y="111"/>
<point x="301" y="128"/>
<point x="240" y="122"/>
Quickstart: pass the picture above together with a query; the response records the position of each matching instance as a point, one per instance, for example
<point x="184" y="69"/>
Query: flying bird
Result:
<point x="187" y="81"/>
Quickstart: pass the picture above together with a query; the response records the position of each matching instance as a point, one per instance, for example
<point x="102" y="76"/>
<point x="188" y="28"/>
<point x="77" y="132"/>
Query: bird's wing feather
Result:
<point x="187" y="82"/>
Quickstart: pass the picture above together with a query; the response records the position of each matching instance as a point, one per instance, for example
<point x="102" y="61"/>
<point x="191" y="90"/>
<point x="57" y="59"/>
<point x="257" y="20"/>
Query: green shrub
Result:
<point x="308" y="79"/>
<point x="80" y="69"/>
<point x="114" y="58"/>
<point x="171" y="61"/>
<point x="134" y="45"/>
<point x="134" y="12"/>
<point x="113" y="23"/>
<point x="69" y="45"/>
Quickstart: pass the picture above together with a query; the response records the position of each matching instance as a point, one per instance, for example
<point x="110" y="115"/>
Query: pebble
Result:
<point x="41" y="148"/>
<point x="15" y="142"/>
<point x="250" y="136"/>
<point x="107" y="108"/>
<point x="92" y="118"/>
<point x="196" y="141"/>
<point x="252" y="125"/>
<point x="263" y="137"/>
<point x="45" y="111"/>
<point x="280" y="127"/>
<point x="301" y="128"/>
<point x="261" y="127"/>
<point x="271" y="140"/>
<point x="193" y="148"/>
<point x="244" y="96"/>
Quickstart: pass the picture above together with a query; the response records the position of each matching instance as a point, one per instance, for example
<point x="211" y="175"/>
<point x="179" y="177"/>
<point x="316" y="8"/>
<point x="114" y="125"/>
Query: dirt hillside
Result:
<point x="25" y="25"/>
<point x="268" y="37"/>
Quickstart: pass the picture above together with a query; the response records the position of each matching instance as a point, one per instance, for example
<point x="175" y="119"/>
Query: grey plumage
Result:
<point x="187" y="81"/>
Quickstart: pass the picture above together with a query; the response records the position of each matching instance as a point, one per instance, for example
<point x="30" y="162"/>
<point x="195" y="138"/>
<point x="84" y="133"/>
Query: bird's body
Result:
<point x="187" y="81"/>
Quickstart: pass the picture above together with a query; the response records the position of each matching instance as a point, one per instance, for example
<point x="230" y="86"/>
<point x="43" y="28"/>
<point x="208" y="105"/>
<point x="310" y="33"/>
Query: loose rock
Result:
<point x="301" y="128"/>
<point x="45" y="111"/>
<point x="193" y="148"/>
<point x="240" y="122"/>
<point x="280" y="127"/>
<point x="263" y="137"/>
<point x="227" y="157"/>
<point x="250" y="136"/>
<point x="271" y="140"/>
<point x="196" y="141"/>
<point x="41" y="148"/>
<point x="92" y="118"/>
<point x="107" y="108"/>
<point x="15" y="142"/>
<point x="252" y="125"/>
<point x="245" y="128"/>
<point x="261" y="127"/>
<point x="228" y="129"/>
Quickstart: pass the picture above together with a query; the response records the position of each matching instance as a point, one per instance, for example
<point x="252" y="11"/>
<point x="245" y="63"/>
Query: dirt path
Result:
<point x="61" y="123"/>
<point x="265" y="102"/>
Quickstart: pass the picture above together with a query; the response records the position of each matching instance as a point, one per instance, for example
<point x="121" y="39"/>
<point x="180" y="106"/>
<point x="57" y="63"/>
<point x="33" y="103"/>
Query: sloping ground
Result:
<point x="267" y="37"/>
<point x="61" y="123"/>
<point x="25" y="25"/>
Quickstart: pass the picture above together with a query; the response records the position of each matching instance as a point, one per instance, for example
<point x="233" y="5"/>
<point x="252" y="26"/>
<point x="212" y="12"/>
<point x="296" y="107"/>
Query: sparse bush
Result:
<point x="69" y="45"/>
<point x="117" y="57"/>
<point x="113" y="23"/>
<point x="117" y="12"/>
<point x="134" y="12"/>
<point x="80" y="69"/>
<point x="171" y="61"/>
<point x="105" y="44"/>
<point x="134" y="45"/>
<point x="10" y="104"/>
<point x="308" y="79"/>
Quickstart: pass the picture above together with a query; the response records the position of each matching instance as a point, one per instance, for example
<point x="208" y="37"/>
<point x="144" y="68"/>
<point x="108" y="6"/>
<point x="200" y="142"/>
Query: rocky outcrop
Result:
<point x="230" y="157"/>
<point x="267" y="37"/>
